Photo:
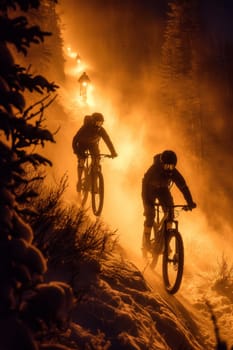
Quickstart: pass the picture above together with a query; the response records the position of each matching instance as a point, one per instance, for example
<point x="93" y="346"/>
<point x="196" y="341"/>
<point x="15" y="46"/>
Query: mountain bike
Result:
<point x="92" y="182"/>
<point x="168" y="242"/>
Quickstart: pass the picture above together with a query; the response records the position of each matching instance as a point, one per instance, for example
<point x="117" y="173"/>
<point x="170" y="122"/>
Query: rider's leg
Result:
<point x="148" y="199"/>
<point x="146" y="237"/>
<point x="81" y="162"/>
<point x="166" y="200"/>
<point x="149" y="214"/>
<point x="95" y="156"/>
<point x="81" y="153"/>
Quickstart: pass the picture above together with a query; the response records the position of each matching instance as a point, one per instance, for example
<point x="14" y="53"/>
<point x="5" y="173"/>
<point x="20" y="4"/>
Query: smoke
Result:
<point x="120" y="53"/>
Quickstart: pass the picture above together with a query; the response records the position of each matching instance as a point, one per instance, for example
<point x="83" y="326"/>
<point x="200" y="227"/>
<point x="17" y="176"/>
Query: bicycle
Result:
<point x="92" y="181"/>
<point x="168" y="242"/>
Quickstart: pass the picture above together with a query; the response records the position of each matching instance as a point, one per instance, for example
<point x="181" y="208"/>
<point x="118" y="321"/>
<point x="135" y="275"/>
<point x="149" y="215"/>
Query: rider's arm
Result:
<point x="182" y="186"/>
<point x="108" y="142"/>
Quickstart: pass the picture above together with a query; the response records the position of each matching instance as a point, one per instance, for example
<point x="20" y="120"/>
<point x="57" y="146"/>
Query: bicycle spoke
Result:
<point x="173" y="261"/>
<point x="97" y="193"/>
<point x="87" y="183"/>
<point x="172" y="247"/>
<point x="83" y="187"/>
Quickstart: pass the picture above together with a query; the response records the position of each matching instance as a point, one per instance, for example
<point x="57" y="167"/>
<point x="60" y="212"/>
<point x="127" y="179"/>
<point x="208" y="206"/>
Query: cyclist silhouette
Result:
<point x="156" y="184"/>
<point x="87" y="139"/>
<point x="84" y="81"/>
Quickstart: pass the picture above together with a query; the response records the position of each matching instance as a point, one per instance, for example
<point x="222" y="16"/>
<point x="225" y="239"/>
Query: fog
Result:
<point x="120" y="51"/>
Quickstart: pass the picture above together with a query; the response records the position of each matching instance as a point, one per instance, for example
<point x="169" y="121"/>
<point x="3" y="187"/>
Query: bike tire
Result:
<point x="173" y="261"/>
<point x="84" y="188"/>
<point x="97" y="194"/>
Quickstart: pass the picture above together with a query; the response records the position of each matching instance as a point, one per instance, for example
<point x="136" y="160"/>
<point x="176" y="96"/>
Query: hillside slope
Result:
<point x="120" y="310"/>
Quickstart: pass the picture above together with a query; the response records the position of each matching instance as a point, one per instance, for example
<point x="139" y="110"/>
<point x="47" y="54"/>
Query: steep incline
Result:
<point x="121" y="311"/>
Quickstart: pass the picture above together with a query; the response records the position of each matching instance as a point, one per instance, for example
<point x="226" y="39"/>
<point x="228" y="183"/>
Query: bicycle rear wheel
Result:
<point x="173" y="261"/>
<point x="84" y="186"/>
<point x="97" y="193"/>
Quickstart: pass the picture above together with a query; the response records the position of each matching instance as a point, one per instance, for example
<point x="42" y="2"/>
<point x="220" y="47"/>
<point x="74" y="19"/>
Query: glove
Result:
<point x="114" y="154"/>
<point x="191" y="206"/>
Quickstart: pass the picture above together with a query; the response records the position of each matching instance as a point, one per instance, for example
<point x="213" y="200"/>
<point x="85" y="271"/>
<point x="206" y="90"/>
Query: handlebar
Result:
<point x="182" y="206"/>
<point x="105" y="155"/>
<point x="101" y="155"/>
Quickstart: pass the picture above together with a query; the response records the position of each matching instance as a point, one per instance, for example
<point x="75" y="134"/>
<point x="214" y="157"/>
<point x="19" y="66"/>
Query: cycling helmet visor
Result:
<point x="99" y="122"/>
<point x="168" y="166"/>
<point x="168" y="159"/>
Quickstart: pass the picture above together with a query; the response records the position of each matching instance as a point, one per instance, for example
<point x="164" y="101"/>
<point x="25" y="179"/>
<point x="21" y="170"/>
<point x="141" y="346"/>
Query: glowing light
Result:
<point x="70" y="53"/>
<point x="87" y="97"/>
<point x="84" y="82"/>
<point x="78" y="59"/>
<point x="75" y="71"/>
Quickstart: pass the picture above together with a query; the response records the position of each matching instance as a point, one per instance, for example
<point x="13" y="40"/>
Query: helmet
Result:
<point x="87" y="120"/>
<point x="168" y="157"/>
<point x="97" y="117"/>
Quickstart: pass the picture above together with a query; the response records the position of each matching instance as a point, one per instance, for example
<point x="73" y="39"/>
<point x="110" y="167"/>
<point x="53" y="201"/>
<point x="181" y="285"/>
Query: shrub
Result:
<point x="23" y="293"/>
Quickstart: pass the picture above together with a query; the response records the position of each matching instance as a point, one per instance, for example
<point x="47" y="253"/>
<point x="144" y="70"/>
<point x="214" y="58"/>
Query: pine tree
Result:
<point x="23" y="293"/>
<point x="47" y="57"/>
<point x="180" y="71"/>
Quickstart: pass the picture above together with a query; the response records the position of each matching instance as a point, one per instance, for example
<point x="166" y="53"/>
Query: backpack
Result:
<point x="87" y="120"/>
<point x="156" y="159"/>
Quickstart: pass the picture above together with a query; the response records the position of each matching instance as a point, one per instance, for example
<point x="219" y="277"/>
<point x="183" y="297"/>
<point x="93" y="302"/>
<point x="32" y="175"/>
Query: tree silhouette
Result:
<point x="47" y="57"/>
<point x="180" y="71"/>
<point x="23" y="293"/>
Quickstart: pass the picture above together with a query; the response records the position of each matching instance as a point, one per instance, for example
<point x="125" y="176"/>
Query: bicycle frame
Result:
<point x="90" y="160"/>
<point x="94" y="167"/>
<point x="160" y="222"/>
<point x="93" y="182"/>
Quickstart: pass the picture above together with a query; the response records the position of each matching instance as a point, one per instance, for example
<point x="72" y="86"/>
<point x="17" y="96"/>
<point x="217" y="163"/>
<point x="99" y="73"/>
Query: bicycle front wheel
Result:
<point x="173" y="261"/>
<point x="84" y="186"/>
<point x="97" y="193"/>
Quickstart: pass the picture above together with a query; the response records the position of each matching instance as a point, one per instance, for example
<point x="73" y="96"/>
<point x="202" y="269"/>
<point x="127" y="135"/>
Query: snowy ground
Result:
<point x="190" y="304"/>
<point x="123" y="309"/>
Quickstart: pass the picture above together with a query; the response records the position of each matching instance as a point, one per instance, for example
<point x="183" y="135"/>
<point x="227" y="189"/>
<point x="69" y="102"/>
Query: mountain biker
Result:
<point x="87" y="139"/>
<point x="84" y="81"/>
<point x="156" y="184"/>
<point x="84" y="78"/>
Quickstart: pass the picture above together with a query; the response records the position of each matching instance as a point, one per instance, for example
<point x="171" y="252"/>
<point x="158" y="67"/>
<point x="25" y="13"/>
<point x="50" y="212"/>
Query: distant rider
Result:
<point x="156" y="184"/>
<point x="87" y="139"/>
